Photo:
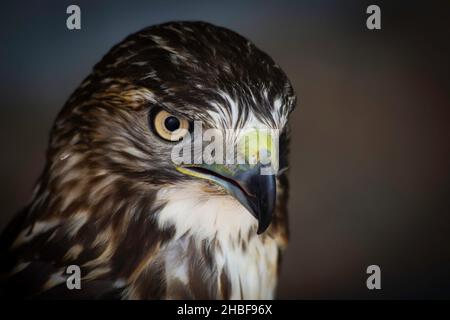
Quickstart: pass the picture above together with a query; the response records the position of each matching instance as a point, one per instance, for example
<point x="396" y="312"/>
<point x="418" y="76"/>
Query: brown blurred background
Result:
<point x="370" y="149"/>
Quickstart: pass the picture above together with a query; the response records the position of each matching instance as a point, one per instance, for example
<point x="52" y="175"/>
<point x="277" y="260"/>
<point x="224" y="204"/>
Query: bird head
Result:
<point x="118" y="134"/>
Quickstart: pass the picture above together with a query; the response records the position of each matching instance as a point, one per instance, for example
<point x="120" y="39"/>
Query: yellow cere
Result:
<point x="256" y="143"/>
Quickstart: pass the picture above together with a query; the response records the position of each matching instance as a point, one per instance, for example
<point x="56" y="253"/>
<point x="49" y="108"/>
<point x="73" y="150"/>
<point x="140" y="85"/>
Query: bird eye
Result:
<point x="170" y="127"/>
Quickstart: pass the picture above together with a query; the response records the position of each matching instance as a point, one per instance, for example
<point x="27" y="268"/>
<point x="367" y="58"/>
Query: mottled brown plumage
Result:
<point x="106" y="198"/>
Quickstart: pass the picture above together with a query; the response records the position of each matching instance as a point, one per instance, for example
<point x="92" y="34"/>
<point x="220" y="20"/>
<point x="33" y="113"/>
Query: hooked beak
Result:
<point x="255" y="191"/>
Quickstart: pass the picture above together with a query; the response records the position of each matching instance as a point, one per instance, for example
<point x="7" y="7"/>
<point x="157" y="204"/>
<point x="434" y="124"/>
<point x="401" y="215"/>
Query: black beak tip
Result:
<point x="262" y="228"/>
<point x="265" y="205"/>
<point x="264" y="220"/>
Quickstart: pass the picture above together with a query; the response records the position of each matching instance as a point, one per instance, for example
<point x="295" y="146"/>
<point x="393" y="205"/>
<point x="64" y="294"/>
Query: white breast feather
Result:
<point x="202" y="216"/>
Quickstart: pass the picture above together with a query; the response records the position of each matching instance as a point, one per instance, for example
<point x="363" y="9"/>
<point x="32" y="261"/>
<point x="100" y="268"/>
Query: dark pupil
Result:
<point x="172" y="123"/>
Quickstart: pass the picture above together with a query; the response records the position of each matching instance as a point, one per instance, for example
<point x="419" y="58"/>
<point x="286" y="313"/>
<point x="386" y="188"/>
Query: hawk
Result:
<point x="111" y="200"/>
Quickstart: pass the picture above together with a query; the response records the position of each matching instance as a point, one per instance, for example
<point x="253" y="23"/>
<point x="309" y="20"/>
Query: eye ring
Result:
<point x="170" y="127"/>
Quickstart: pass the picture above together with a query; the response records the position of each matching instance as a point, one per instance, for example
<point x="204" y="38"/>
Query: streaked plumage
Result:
<point x="109" y="198"/>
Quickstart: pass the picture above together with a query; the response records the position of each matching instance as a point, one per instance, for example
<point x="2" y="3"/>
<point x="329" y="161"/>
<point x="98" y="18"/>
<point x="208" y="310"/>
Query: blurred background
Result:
<point x="370" y="162"/>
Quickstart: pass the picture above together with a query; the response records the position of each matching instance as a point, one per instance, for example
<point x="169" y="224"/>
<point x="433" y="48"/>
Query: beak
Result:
<point x="255" y="191"/>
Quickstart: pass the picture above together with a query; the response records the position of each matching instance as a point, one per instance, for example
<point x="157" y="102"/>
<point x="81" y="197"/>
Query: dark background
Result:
<point x="370" y="149"/>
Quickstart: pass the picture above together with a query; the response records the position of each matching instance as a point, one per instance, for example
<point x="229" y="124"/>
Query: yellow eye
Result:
<point x="170" y="127"/>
